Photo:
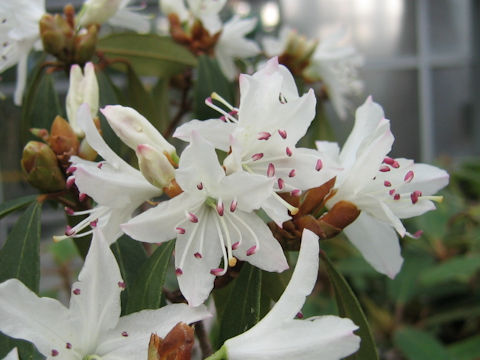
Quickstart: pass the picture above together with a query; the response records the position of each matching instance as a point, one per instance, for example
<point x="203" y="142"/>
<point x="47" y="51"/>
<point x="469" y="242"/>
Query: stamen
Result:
<point x="415" y="195"/>
<point x="217" y="97"/>
<point x="288" y="151"/>
<point x="191" y="217"/>
<point x="281" y="183"/>
<point x="180" y="230"/>
<point x="220" y="208"/>
<point x="209" y="103"/>
<point x="54" y="352"/>
<point x="396" y="197"/>
<point x="68" y="345"/>
<point x="391" y="192"/>
<point x="233" y="205"/>
<point x="124" y="334"/>
<point x="69" y="211"/>
<point x="222" y="244"/>
<point x="249" y="229"/>
<point x="395" y="164"/>
<point x="299" y="315"/>
<point x="293" y="210"/>
<point x="291" y="173"/>
<point x="200" y="186"/>
<point x="319" y="165"/>
<point x="264" y="135"/>
<point x="82" y="197"/>
<point x="69" y="230"/>
<point x="271" y="170"/>
<point x="198" y="255"/>
<point x="252" y="250"/>
<point x="388" y="160"/>
<point x="178" y="271"/>
<point x="257" y="156"/>
<point x="94" y="223"/>
<point x="217" y="271"/>
<point x="232" y="261"/>
<point x="70" y="182"/>
<point x="235" y="245"/>
<point x="76" y="291"/>
<point x="121" y="285"/>
<point x="296" y="192"/>
<point x="100" y="164"/>
<point x="282" y="133"/>
<point x="189" y="243"/>
<point x="387" y="183"/>
<point x="384" y="168"/>
<point x="71" y="170"/>
<point x="409" y="176"/>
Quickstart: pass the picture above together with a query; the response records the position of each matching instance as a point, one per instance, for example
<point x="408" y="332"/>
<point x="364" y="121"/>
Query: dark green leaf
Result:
<point x="19" y="258"/>
<point x="138" y="97"/>
<point x="9" y="206"/>
<point x="130" y="256"/>
<point x="348" y="306"/>
<point x="210" y="79"/>
<point x="242" y="310"/>
<point x="146" y="292"/>
<point x="419" y="345"/>
<point x="468" y="349"/>
<point x="161" y="102"/>
<point x="149" y="54"/>
<point x="460" y="269"/>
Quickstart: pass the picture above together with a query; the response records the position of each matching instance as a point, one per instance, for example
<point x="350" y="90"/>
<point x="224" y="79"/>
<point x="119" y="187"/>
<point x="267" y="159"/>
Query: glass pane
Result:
<point x="377" y="27"/>
<point x="450" y="26"/>
<point x="455" y="130"/>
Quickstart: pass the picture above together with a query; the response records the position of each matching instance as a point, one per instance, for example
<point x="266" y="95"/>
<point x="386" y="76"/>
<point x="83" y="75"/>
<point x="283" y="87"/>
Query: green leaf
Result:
<point x="130" y="256"/>
<point x="139" y="98"/>
<point x="149" y="54"/>
<point x="460" y="269"/>
<point x="242" y="310"/>
<point x="348" y="306"/>
<point x="468" y="349"/>
<point x="210" y="79"/>
<point x="9" y="206"/>
<point x="419" y="345"/>
<point x="161" y="103"/>
<point x="147" y="289"/>
<point x="20" y="259"/>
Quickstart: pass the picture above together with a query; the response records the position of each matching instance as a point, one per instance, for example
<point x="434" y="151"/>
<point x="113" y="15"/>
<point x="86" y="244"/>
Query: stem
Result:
<point x="221" y="354"/>
<point x="203" y="339"/>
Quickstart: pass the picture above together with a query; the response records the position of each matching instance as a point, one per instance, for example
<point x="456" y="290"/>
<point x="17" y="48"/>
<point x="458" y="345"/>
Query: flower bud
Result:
<point x="63" y="139"/>
<point x="57" y="36"/>
<point x="177" y="344"/>
<point x="85" y="44"/>
<point x="134" y="129"/>
<point x="83" y="88"/>
<point x="40" y="166"/>
<point x="97" y="11"/>
<point x="155" y="166"/>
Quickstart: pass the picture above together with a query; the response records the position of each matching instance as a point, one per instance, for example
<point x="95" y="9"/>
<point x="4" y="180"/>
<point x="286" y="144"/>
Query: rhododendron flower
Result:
<point x="91" y="328"/>
<point x="279" y="336"/>
<point x="19" y="32"/>
<point x="212" y="219"/>
<point x="386" y="190"/>
<point x="262" y="134"/>
<point x="117" y="187"/>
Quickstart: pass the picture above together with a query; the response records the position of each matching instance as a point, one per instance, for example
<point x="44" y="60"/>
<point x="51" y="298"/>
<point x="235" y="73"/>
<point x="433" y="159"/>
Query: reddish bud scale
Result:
<point x="271" y="170"/>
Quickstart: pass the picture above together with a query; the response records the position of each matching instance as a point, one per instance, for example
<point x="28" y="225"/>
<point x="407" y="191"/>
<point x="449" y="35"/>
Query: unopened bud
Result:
<point x="40" y="133"/>
<point x="63" y="139"/>
<point x="177" y="344"/>
<point x="57" y="36"/>
<point x="154" y="166"/>
<point x="134" y="129"/>
<point x="85" y="44"/>
<point x="40" y="166"/>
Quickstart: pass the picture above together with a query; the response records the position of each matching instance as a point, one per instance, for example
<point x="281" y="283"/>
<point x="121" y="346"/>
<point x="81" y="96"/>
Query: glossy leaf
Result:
<point x="461" y="268"/>
<point x="419" y="345"/>
<point x="130" y="256"/>
<point x="161" y="103"/>
<point x="468" y="349"/>
<point x="148" y="54"/>
<point x="147" y="289"/>
<point x="242" y="310"/>
<point x="348" y="306"/>
<point x="19" y="258"/>
<point x="210" y="79"/>
<point x="9" y="206"/>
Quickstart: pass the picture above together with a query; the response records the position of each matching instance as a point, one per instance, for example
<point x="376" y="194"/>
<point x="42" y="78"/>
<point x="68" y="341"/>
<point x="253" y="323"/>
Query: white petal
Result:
<point x="43" y="321"/>
<point x="196" y="281"/>
<point x="140" y="325"/>
<point x="215" y="131"/>
<point x="326" y="338"/>
<point x="95" y="299"/>
<point x="269" y="254"/>
<point x="427" y="178"/>
<point x="158" y="224"/>
<point x="199" y="163"/>
<point x="12" y="355"/>
<point x="130" y="20"/>
<point x="275" y="210"/>
<point x="377" y="242"/>
<point x="328" y="148"/>
<point x="22" y="71"/>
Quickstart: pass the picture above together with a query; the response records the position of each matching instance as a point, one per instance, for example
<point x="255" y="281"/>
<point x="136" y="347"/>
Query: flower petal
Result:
<point x="12" y="355"/>
<point x="377" y="242"/>
<point x="43" y="321"/>
<point x="95" y="301"/>
<point x="215" y="131"/>
<point x="275" y="210"/>
<point x="140" y="325"/>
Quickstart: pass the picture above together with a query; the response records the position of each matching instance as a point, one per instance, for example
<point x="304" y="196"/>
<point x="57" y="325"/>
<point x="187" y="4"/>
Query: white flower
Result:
<point x="279" y="336"/>
<point x="118" y="188"/>
<point x="92" y="325"/>
<point x="204" y="10"/>
<point x="262" y="134"/>
<point x="83" y="88"/>
<point x="211" y="219"/>
<point x="115" y="12"/>
<point x="336" y="65"/>
<point x="19" y="31"/>
<point x="384" y="189"/>
<point x="232" y="44"/>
